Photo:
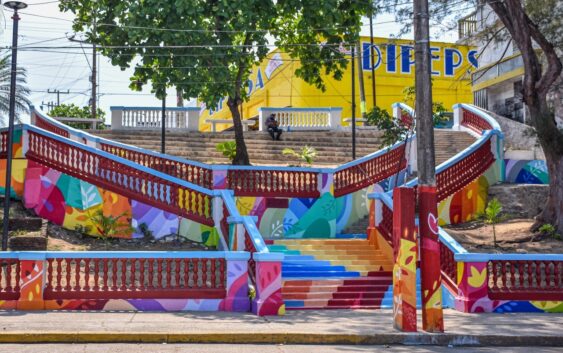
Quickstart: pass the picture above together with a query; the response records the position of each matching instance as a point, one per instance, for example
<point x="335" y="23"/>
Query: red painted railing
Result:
<point x="9" y="279"/>
<point x="463" y="172"/>
<point x="406" y="119"/>
<point x="192" y="173"/>
<point x="120" y="178"/>
<point x="525" y="280"/>
<point x="3" y="143"/>
<point x="448" y="265"/>
<point x="134" y="278"/>
<point x="369" y="172"/>
<point x="474" y="121"/>
<point x="385" y="227"/>
<point x="45" y="125"/>
<point x="267" y="182"/>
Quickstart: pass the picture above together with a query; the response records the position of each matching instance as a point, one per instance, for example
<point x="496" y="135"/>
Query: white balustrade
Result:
<point x="302" y="118"/>
<point x="125" y="118"/>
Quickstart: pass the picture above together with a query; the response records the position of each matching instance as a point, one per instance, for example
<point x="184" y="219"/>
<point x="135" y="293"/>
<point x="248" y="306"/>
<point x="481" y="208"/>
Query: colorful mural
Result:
<point x="473" y="294"/>
<point x="268" y="300"/>
<point x="322" y="217"/>
<point x="72" y="203"/>
<point x="526" y="171"/>
<point x="405" y="259"/>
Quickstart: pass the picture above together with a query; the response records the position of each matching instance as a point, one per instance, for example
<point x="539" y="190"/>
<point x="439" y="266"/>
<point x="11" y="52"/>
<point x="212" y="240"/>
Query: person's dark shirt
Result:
<point x="271" y="122"/>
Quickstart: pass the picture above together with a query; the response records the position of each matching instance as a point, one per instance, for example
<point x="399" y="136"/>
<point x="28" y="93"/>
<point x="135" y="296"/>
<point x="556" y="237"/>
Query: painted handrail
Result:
<point x="278" y="181"/>
<point x="120" y="175"/>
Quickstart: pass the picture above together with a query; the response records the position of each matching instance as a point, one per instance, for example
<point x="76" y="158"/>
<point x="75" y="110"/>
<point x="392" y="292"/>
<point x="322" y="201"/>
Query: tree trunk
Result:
<point x="179" y="98"/>
<point x="242" y="154"/>
<point x="552" y="146"/>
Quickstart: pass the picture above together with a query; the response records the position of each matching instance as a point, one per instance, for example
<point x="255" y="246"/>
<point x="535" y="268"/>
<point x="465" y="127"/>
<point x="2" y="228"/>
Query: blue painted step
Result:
<point x="321" y="274"/>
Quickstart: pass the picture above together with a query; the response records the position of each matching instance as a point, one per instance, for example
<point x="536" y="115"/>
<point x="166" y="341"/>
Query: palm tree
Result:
<point x="22" y="91"/>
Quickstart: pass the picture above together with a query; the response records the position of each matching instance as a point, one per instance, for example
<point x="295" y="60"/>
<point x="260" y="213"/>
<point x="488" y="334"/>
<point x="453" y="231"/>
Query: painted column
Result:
<point x="472" y="288"/>
<point x="405" y="257"/>
<point x="268" y="300"/>
<point x="32" y="281"/>
<point x="431" y="277"/>
<point x="237" y="282"/>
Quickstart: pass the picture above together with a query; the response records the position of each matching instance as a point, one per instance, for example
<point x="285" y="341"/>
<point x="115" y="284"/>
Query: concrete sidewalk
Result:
<point x="297" y="327"/>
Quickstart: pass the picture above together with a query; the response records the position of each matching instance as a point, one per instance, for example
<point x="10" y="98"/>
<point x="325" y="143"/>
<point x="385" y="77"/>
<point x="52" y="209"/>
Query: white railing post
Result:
<point x="192" y="115"/>
<point x="458" y="111"/>
<point x="397" y="112"/>
<point x="335" y="118"/>
<point x="116" y="118"/>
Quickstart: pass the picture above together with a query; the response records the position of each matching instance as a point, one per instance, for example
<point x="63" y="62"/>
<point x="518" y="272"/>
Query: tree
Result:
<point x="538" y="82"/>
<point x="531" y="25"/>
<point x="22" y="91"/>
<point x="207" y="49"/>
<point x="74" y="111"/>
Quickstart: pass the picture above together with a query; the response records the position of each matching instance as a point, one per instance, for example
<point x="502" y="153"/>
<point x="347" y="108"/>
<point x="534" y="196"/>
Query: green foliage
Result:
<point x="22" y="91"/>
<point x="228" y="148"/>
<point x="147" y="233"/>
<point x="493" y="216"/>
<point x="74" y="111"/>
<point x="211" y="51"/>
<point x="549" y="230"/>
<point x="393" y="131"/>
<point x="438" y="108"/>
<point x="109" y="226"/>
<point x="307" y="154"/>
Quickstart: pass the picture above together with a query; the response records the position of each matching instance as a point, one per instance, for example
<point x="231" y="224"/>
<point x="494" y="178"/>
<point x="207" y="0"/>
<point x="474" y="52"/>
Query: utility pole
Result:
<point x="49" y="105"/>
<point x="372" y="52"/>
<point x="353" y="104"/>
<point x="360" y="57"/>
<point x="94" y="69"/>
<point x="432" y="315"/>
<point x="58" y="92"/>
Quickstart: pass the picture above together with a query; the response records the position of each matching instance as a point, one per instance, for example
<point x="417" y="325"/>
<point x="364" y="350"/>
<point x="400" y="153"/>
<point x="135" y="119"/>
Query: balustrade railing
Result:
<point x="9" y="278"/>
<point x="448" y="265"/>
<point x="121" y="176"/>
<point x="525" y="279"/>
<point x="3" y="143"/>
<point x="369" y="170"/>
<point x="302" y="118"/>
<point x="123" y="118"/>
<point x="475" y="122"/>
<point x="270" y="181"/>
<point x="134" y="276"/>
<point x="195" y="173"/>
<point x="44" y="124"/>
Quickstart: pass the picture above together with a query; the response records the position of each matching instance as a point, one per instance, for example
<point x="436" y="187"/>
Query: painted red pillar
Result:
<point x="405" y="256"/>
<point x="431" y="278"/>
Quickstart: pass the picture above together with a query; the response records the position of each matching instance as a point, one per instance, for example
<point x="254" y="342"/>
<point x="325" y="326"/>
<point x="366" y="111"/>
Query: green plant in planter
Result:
<point x="307" y="154"/>
<point x="228" y="148"/>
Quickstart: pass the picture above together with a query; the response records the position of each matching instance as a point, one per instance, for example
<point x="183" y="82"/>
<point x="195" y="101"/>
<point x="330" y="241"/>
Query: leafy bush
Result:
<point x="74" y="111"/>
<point x="228" y="148"/>
<point x="438" y="108"/>
<point x="306" y="155"/>
<point x="549" y="230"/>
<point x="109" y="226"/>
<point x="392" y="131"/>
<point x="147" y="233"/>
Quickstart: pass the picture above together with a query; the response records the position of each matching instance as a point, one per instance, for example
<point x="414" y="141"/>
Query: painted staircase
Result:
<point x="334" y="274"/>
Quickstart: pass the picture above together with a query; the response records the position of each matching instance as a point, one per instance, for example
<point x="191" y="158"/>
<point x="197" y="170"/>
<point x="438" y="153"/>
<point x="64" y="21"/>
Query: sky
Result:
<point x="42" y="24"/>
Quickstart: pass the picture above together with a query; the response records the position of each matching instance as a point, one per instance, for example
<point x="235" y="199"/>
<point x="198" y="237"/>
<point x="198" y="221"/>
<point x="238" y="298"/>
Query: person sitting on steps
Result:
<point x="273" y="127"/>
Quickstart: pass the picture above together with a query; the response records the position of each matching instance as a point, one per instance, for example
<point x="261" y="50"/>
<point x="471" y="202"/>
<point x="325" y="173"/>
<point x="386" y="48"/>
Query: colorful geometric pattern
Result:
<point x="526" y="171"/>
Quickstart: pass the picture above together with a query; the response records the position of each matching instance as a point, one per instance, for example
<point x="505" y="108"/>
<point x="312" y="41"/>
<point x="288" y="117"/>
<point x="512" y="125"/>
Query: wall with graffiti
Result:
<point x="473" y="294"/>
<point x="322" y="217"/>
<point x="75" y="204"/>
<point x="526" y="171"/>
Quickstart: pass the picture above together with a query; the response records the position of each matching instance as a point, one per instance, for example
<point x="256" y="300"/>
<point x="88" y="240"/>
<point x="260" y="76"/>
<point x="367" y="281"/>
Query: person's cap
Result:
<point x="272" y="115"/>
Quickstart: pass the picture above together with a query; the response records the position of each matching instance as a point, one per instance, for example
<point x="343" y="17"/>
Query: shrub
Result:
<point x="109" y="226"/>
<point x="492" y="216"/>
<point x="228" y="148"/>
<point x="306" y="155"/>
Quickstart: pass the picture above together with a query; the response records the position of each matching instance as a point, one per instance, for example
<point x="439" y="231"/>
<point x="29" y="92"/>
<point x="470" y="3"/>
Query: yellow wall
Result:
<point x="281" y="88"/>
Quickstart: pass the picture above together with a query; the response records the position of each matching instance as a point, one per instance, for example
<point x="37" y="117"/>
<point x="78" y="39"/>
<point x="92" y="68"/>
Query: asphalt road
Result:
<point x="220" y="348"/>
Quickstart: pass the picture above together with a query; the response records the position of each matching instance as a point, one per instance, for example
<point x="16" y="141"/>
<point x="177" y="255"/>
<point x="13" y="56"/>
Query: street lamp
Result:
<point x="14" y="5"/>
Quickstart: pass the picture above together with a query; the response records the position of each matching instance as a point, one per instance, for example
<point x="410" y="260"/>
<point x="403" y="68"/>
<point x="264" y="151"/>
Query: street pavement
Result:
<point x="296" y="327"/>
<point x="224" y="348"/>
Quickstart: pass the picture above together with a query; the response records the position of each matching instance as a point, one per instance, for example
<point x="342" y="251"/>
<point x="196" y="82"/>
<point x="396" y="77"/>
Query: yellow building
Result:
<point x="274" y="84"/>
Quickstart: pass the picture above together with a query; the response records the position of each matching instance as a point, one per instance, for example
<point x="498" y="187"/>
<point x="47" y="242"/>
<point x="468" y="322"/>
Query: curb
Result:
<point x="283" y="338"/>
